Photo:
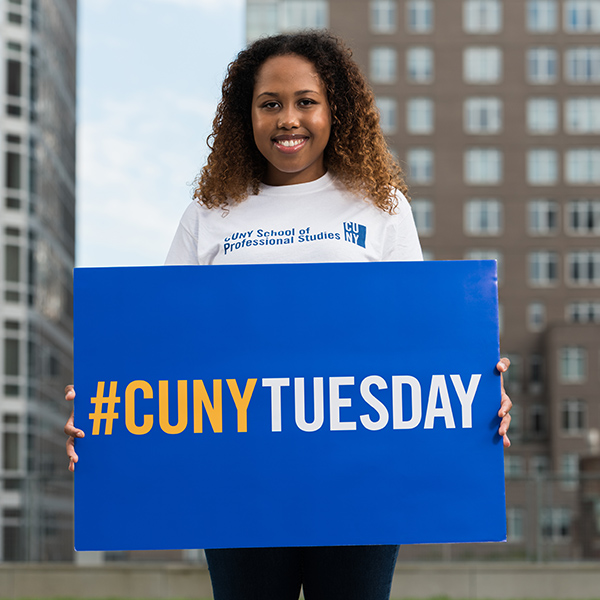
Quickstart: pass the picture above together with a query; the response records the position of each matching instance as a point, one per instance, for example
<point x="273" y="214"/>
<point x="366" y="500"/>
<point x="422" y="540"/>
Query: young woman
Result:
<point x="296" y="145"/>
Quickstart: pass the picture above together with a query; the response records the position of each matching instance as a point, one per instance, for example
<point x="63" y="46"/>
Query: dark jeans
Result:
<point x="326" y="573"/>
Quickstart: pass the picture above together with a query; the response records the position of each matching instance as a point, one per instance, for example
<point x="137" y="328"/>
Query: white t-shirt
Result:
<point x="313" y="222"/>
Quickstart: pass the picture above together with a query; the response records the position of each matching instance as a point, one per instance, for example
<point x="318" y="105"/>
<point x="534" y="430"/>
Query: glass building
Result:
<point x="37" y="247"/>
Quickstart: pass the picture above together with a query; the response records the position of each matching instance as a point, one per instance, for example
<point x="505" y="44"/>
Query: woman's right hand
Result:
<point x="71" y="430"/>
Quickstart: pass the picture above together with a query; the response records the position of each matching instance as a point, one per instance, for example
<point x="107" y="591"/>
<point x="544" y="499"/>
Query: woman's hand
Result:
<point x="71" y="430"/>
<point x="505" y="404"/>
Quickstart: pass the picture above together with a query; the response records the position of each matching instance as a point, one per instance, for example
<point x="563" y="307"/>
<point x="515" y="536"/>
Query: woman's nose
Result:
<point x="288" y="119"/>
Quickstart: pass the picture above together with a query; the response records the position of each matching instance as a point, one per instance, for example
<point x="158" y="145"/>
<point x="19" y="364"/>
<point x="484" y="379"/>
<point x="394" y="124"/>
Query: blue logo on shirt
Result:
<point x="355" y="233"/>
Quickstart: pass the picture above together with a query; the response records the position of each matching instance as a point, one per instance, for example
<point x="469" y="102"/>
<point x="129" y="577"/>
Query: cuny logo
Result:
<point x="355" y="233"/>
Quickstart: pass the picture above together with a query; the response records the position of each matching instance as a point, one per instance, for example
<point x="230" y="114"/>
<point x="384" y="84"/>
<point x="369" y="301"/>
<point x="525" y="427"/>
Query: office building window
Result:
<point x="583" y="166"/>
<point x="513" y="466"/>
<point x="483" y="217"/>
<point x="13" y="77"/>
<point x="536" y="372"/>
<point x="383" y="65"/>
<point x="582" y="65"/>
<point x="582" y="115"/>
<point x="10" y="451"/>
<point x="420" y="166"/>
<point x="273" y="16"/>
<point x="304" y="14"/>
<point x="538" y="426"/>
<point x="482" y="65"/>
<point x="483" y="166"/>
<point x="513" y="379"/>
<point x="542" y="115"/>
<point x="542" y="16"/>
<point x="569" y="471"/>
<point x="542" y="65"/>
<point x="583" y="312"/>
<point x="516" y="424"/>
<point x="483" y="115"/>
<point x="556" y="524"/>
<point x="542" y="217"/>
<point x="583" y="217"/>
<point x="12" y="175"/>
<point x="538" y="465"/>
<point x="419" y="64"/>
<point x="419" y="16"/>
<point x="572" y="364"/>
<point x="423" y="214"/>
<point x="572" y="417"/>
<point x="584" y="267"/>
<point x="542" y="167"/>
<point x="582" y="16"/>
<point x="514" y="524"/>
<point x="543" y="268"/>
<point x="383" y="16"/>
<point x="482" y="16"/>
<point x="12" y="263"/>
<point x="15" y="18"/>
<point x="419" y="116"/>
<point x="536" y="316"/>
<point x="11" y="357"/>
<point x="261" y="19"/>
<point x="388" y="111"/>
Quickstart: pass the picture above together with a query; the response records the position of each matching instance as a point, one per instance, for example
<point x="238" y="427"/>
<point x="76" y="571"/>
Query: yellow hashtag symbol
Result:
<point x="110" y="415"/>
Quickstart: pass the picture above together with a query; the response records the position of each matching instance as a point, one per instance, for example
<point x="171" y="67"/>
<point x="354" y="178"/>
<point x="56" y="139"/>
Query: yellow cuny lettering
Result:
<point x="214" y="410"/>
<point x="242" y="401"/>
<point x="163" y="407"/>
<point x="130" y="407"/>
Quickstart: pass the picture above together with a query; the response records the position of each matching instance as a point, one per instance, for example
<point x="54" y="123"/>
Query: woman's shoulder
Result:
<point x="196" y="214"/>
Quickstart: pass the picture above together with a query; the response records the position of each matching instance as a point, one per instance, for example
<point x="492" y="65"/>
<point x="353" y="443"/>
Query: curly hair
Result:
<point x="356" y="153"/>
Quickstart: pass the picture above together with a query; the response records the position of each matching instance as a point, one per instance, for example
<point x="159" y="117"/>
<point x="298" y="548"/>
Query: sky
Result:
<point x="149" y="78"/>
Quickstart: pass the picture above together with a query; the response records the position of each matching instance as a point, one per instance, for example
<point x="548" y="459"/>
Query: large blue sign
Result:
<point x="287" y="405"/>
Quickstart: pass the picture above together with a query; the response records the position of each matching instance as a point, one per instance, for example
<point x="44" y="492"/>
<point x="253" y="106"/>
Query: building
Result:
<point x="493" y="108"/>
<point x="37" y="221"/>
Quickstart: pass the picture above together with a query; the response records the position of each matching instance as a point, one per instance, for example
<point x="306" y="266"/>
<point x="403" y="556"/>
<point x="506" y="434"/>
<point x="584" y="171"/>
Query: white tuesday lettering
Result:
<point x="438" y="410"/>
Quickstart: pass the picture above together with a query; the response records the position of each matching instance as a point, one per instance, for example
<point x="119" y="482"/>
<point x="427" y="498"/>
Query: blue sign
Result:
<point x="287" y="405"/>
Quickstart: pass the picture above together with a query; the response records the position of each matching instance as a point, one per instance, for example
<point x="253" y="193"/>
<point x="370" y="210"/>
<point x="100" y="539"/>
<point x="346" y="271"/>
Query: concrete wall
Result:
<point x="497" y="580"/>
<point x="418" y="580"/>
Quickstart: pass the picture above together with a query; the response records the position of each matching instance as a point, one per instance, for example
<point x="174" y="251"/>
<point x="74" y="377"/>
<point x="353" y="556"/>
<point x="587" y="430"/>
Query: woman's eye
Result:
<point x="306" y="102"/>
<point x="270" y="105"/>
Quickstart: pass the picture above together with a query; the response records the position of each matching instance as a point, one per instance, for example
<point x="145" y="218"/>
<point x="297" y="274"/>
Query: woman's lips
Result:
<point x="289" y="145"/>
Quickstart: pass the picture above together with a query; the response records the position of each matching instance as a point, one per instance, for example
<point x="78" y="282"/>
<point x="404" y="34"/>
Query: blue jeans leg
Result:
<point x="326" y="573"/>
<point x="255" y="573"/>
<point x="349" y="572"/>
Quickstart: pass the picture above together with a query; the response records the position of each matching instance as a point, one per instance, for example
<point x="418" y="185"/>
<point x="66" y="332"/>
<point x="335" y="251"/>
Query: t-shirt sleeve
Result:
<point x="404" y="243"/>
<point x="184" y="247"/>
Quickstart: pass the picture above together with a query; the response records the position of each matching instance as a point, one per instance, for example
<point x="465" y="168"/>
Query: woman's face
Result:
<point x="291" y="119"/>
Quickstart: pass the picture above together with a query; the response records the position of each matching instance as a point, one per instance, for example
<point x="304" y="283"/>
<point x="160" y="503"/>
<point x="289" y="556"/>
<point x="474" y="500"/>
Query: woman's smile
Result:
<point x="289" y="144"/>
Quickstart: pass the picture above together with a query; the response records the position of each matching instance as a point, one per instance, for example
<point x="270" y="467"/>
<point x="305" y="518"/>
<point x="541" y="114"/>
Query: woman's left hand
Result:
<point x="505" y="404"/>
